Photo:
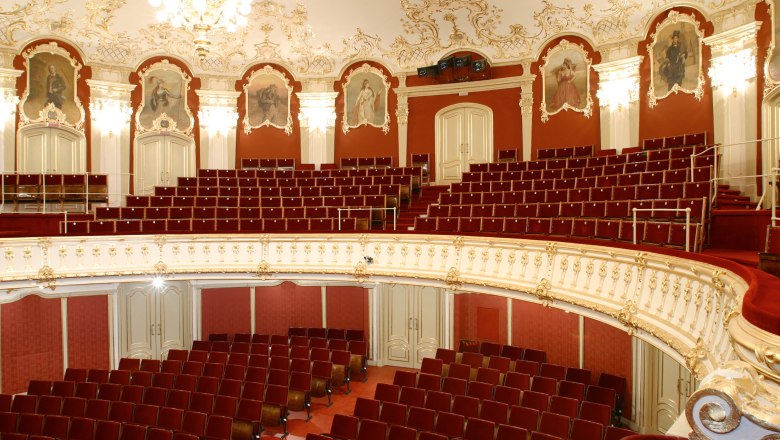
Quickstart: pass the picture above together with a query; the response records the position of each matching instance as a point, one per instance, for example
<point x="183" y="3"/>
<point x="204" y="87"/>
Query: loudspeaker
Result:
<point x="478" y="65"/>
<point x="462" y="61"/>
<point x="427" y="71"/>
<point x="444" y="64"/>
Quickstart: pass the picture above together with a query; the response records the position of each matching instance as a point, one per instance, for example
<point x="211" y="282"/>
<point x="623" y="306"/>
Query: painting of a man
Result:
<point x="52" y="82"/>
<point x="55" y="87"/>
<point x="673" y="66"/>
<point x="675" y="58"/>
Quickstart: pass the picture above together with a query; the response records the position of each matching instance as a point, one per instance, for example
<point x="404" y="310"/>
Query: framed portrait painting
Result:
<point x="772" y="63"/>
<point x="675" y="58"/>
<point x="565" y="73"/>
<point x="164" y="100"/>
<point x="267" y="93"/>
<point x="365" y="99"/>
<point x="52" y="78"/>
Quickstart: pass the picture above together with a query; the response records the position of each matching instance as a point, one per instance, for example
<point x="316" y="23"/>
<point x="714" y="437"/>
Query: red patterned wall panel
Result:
<point x="278" y="308"/>
<point x="347" y="307"/>
<point x="608" y="349"/>
<point x="88" y="332"/>
<point x="31" y="342"/>
<point x="225" y="310"/>
<point x="480" y="317"/>
<point x="546" y="328"/>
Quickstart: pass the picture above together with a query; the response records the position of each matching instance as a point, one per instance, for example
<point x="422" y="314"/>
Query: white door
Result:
<point x="412" y="324"/>
<point x="152" y="321"/>
<point x="160" y="160"/>
<point x="464" y="135"/>
<point x="670" y="387"/>
<point x="51" y="150"/>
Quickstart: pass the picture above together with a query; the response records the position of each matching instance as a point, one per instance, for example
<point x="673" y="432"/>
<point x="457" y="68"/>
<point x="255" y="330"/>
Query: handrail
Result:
<point x="687" y="221"/>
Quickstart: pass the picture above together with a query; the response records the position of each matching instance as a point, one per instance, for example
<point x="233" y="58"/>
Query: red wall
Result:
<point x="347" y="307"/>
<point x="677" y="113"/>
<point x="546" y="328"/>
<point x="277" y="308"/>
<point x="31" y="342"/>
<point x="268" y="142"/>
<point x="565" y="128"/>
<point x="88" y="332"/>
<point x="480" y="317"/>
<point x="608" y="350"/>
<point x="225" y="310"/>
<point x="366" y="140"/>
<point x="507" y="128"/>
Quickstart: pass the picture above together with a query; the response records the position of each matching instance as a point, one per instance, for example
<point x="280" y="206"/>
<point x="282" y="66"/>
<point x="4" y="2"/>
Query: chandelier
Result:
<point x="203" y="16"/>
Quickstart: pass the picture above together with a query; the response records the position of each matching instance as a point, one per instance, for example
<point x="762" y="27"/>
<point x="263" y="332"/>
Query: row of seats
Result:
<point x="54" y="188"/>
<point x="664" y="208"/>
<point x="310" y="332"/>
<point x="648" y="232"/>
<point x="275" y="163"/>
<point x="578" y="151"/>
<point x="510" y="181"/>
<point x="365" y="162"/>
<point x="256" y="202"/>
<point x="185" y="226"/>
<point x="488" y="349"/>
<point x="390" y="185"/>
<point x="187" y="213"/>
<point x="37" y="427"/>
<point x="689" y="190"/>
<point x="329" y="333"/>
<point x="675" y="141"/>
<point x="592" y="161"/>
<point x="271" y="173"/>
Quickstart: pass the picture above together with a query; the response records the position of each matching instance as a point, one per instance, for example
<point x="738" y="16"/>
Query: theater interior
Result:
<point x="414" y="219"/>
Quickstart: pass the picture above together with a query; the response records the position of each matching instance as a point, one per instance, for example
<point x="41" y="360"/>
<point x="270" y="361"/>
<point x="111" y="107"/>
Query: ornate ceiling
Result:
<point x="320" y="37"/>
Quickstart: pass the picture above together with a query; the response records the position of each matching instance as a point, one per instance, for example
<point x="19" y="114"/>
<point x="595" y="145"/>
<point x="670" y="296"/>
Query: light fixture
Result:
<point x="732" y="72"/>
<point x="110" y="115"/>
<point x="318" y="118"/>
<point x="203" y="16"/>
<point x="618" y="93"/>
<point x="218" y="119"/>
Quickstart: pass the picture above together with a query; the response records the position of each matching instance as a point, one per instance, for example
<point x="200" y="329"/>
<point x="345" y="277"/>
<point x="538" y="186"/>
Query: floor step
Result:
<point x="735" y="192"/>
<point x="735" y="204"/>
<point x="733" y="198"/>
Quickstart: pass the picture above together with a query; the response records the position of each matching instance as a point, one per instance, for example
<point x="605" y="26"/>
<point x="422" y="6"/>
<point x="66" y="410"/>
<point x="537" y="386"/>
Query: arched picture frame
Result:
<point x="772" y="60"/>
<point x="675" y="58"/>
<point x="565" y="73"/>
<point x="164" y="100"/>
<point x="365" y="99"/>
<point x="51" y="95"/>
<point x="268" y="94"/>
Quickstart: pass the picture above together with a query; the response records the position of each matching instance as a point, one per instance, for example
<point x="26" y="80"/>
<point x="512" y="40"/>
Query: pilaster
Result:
<point x="402" y="116"/>
<point x="218" y="116"/>
<point x="527" y="109"/>
<point x="618" y="96"/>
<point x="9" y="101"/>
<point x="110" y="111"/>
<point x="318" y="121"/>
<point x="733" y="73"/>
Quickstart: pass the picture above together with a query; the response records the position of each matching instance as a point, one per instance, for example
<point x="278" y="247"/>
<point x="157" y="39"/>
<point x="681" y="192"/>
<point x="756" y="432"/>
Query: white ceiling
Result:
<point x="321" y="37"/>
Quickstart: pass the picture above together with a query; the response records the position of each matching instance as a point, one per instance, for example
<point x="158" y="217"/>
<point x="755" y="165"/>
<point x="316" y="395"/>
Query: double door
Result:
<point x="669" y="385"/>
<point x="153" y="320"/>
<point x="51" y="150"/>
<point x="464" y="135"/>
<point x="412" y="324"/>
<point x="161" y="159"/>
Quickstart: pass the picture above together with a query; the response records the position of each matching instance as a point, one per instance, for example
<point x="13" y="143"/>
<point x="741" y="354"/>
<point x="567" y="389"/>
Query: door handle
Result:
<point x="416" y="324"/>
<point x="151" y="331"/>
<point x="158" y="330"/>
<point x="410" y="323"/>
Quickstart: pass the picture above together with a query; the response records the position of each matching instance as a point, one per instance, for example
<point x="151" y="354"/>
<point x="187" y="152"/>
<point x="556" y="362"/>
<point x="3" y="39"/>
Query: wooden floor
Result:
<point x="322" y="415"/>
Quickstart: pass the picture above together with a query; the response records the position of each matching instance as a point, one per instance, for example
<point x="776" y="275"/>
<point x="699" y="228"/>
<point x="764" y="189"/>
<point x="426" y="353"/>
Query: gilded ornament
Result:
<point x="46" y="278"/>
<point x="263" y="270"/>
<point x="453" y="278"/>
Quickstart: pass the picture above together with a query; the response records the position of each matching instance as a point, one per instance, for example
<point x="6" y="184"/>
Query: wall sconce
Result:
<point x="110" y="115"/>
<point x="218" y="119"/>
<point x="618" y="93"/>
<point x="8" y="103"/>
<point x="733" y="71"/>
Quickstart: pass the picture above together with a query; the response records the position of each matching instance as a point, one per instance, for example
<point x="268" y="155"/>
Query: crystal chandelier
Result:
<point x="204" y="16"/>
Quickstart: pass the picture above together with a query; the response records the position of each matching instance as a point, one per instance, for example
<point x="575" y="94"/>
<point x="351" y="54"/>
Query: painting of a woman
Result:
<point x="365" y="99"/>
<point x="567" y="92"/>
<point x="366" y="104"/>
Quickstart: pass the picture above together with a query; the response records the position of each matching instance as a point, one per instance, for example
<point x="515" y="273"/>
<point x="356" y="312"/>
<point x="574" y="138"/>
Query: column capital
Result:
<point x="527" y="96"/>
<point x="8" y="78"/>
<point x="118" y="91"/>
<point x="218" y="98"/>
<point x="733" y="40"/>
<point x="317" y="109"/>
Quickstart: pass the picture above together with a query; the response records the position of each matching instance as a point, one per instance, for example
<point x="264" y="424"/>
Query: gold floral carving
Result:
<point x="453" y="278"/>
<point x="263" y="270"/>
<point x="46" y="277"/>
<point x="627" y="317"/>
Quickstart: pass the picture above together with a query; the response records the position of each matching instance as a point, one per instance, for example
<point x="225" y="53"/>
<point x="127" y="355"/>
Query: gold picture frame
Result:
<point x="565" y="73"/>
<point x="675" y="58"/>
<point x="51" y="94"/>
<point x="365" y="99"/>
<point x="267" y="95"/>
<point x="164" y="104"/>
